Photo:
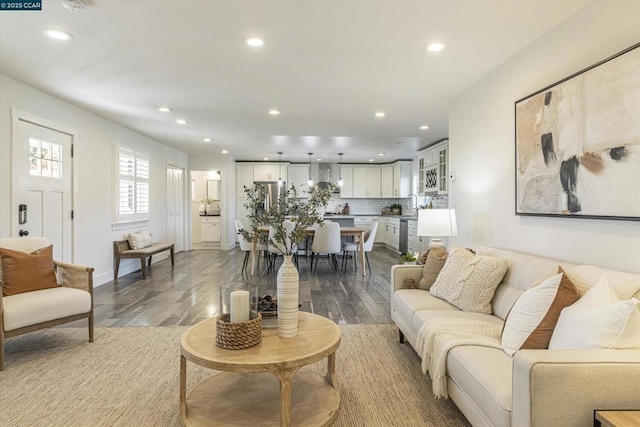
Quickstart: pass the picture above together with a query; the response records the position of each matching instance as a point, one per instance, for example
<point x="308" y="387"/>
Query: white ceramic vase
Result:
<point x="288" y="283"/>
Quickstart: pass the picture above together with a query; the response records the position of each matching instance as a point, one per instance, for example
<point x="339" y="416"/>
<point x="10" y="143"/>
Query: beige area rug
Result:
<point x="129" y="377"/>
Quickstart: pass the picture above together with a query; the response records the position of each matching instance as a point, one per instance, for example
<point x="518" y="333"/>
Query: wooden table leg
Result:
<point x="331" y="370"/>
<point x="183" y="386"/>
<point x="254" y="246"/>
<point x="362" y="261"/>
<point x="285" y="376"/>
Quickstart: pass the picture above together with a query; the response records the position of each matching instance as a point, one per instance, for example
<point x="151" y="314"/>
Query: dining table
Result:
<point x="344" y="232"/>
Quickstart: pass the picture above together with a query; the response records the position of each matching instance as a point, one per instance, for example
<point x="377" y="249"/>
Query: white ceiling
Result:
<point x="328" y="66"/>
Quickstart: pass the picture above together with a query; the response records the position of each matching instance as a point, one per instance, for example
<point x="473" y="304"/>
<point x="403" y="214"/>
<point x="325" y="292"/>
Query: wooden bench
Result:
<point x="121" y="249"/>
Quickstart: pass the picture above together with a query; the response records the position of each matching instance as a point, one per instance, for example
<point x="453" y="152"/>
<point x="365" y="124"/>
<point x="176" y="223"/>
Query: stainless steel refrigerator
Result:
<point x="272" y="192"/>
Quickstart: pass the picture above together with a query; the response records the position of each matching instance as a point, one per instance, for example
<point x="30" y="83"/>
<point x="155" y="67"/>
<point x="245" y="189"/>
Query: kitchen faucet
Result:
<point x="413" y="205"/>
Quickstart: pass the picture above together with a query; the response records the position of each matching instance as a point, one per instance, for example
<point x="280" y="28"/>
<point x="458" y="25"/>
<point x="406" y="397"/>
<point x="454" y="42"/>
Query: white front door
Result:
<point x="175" y="207"/>
<point x="42" y="184"/>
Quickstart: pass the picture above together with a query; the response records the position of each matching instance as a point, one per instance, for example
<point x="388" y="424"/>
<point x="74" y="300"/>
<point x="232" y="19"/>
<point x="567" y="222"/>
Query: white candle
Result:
<point x="239" y="310"/>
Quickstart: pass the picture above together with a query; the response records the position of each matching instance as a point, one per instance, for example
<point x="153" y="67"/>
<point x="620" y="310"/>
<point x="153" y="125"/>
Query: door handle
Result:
<point x="23" y="233"/>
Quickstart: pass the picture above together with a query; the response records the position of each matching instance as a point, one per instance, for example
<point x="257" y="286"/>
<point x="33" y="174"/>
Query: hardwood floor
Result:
<point x="190" y="292"/>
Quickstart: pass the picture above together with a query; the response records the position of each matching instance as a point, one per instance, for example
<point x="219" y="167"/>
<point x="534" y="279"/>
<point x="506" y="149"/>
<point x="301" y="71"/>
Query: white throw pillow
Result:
<point x="140" y="240"/>
<point x="531" y="321"/>
<point x="445" y="286"/>
<point x="600" y="319"/>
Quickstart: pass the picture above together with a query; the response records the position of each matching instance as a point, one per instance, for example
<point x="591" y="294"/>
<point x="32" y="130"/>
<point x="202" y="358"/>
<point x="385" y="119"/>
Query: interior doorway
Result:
<point x="206" y="209"/>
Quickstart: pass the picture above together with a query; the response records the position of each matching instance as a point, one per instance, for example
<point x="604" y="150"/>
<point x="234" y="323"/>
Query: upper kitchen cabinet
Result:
<point x="401" y="179"/>
<point x="388" y="183"/>
<point x="269" y="172"/>
<point x="366" y="182"/>
<point x="298" y="175"/>
<point x="346" y="191"/>
<point x="244" y="178"/>
<point x="433" y="169"/>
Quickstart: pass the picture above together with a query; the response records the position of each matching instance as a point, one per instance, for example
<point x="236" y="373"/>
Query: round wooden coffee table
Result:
<point x="257" y="383"/>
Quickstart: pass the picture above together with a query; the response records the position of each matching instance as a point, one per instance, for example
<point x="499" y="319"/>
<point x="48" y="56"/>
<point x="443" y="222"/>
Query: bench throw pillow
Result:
<point x="140" y="240"/>
<point x="22" y="272"/>
<point x="530" y="323"/>
<point x="599" y="319"/>
<point x="433" y="263"/>
<point x="469" y="281"/>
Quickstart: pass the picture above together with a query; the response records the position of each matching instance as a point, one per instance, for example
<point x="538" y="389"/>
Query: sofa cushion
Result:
<point x="35" y="307"/>
<point x="408" y="301"/>
<point x="599" y="319"/>
<point x="531" y="322"/>
<point x="24" y="272"/>
<point x="485" y="376"/>
<point x="626" y="285"/>
<point x="469" y="281"/>
<point x="420" y="317"/>
<point x="435" y="260"/>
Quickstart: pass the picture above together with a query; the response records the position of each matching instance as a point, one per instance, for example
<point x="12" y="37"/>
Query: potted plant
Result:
<point x="408" y="259"/>
<point x="396" y="209"/>
<point x="301" y="213"/>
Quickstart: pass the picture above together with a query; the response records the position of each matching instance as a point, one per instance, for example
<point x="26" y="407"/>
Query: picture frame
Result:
<point x="577" y="143"/>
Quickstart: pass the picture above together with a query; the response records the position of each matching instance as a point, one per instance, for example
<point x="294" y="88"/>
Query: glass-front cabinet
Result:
<point x="433" y="170"/>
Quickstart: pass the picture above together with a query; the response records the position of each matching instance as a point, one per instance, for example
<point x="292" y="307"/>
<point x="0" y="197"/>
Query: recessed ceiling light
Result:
<point x="371" y="160"/>
<point x="207" y="140"/>
<point x="164" y="109"/>
<point x="224" y="151"/>
<point x="319" y="160"/>
<point x="380" y="154"/>
<point x="181" y="121"/>
<point x="254" y="41"/>
<point x="265" y="158"/>
<point x="380" y="114"/>
<point x="424" y="127"/>
<point x="435" y="46"/>
<point x="52" y="33"/>
<point x="274" y="112"/>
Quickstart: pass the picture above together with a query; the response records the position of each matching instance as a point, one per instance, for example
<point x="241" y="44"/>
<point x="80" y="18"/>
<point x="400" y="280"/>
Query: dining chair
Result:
<point x="326" y="240"/>
<point x="246" y="246"/>
<point x="354" y="247"/>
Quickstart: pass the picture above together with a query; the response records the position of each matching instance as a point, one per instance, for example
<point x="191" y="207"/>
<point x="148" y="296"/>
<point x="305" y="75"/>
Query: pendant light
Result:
<point x="279" y="168"/>
<point x="340" y="181"/>
<point x="310" y="182"/>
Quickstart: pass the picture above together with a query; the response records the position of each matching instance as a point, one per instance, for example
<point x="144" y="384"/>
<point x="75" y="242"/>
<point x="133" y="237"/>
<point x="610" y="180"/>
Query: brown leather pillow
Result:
<point x="436" y="257"/>
<point x="22" y="272"/>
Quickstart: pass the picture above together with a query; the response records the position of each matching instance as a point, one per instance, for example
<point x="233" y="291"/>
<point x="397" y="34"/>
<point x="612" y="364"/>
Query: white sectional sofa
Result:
<point x="535" y="387"/>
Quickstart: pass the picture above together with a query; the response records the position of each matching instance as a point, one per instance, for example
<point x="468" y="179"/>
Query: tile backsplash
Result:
<point x="375" y="206"/>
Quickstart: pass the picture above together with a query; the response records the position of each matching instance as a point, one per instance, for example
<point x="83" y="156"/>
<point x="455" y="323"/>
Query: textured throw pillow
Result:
<point x="140" y="239"/>
<point x="434" y="261"/>
<point x="22" y="272"/>
<point x="600" y="319"/>
<point x="445" y="286"/>
<point x="534" y="315"/>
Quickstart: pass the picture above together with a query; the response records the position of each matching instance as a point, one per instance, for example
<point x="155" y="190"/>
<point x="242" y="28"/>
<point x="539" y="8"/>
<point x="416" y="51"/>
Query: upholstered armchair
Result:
<point x="67" y="298"/>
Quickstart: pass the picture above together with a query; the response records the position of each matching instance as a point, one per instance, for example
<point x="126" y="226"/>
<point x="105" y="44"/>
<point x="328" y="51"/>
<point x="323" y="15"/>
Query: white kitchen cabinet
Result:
<point x="411" y="240"/>
<point x="366" y="182"/>
<point x="433" y="169"/>
<point x="443" y="169"/>
<point x="298" y="175"/>
<point x="387" y="183"/>
<point x="244" y="177"/>
<point x="402" y="178"/>
<point x="269" y="172"/>
<point x="210" y="229"/>
<point x="392" y="233"/>
<point x="346" y="191"/>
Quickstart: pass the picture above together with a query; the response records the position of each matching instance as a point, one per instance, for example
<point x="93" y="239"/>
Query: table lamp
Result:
<point x="437" y="223"/>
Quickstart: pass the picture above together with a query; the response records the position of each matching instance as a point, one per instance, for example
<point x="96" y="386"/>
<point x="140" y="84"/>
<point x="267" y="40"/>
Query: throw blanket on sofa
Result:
<point x="437" y="336"/>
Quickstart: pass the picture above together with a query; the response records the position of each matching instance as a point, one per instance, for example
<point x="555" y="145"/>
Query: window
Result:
<point x="45" y="158"/>
<point x="132" y="185"/>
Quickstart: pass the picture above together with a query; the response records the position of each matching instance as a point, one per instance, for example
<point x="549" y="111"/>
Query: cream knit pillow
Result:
<point x="445" y="285"/>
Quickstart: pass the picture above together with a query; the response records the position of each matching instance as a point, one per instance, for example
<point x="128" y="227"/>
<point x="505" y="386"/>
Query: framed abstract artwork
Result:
<point x="578" y="143"/>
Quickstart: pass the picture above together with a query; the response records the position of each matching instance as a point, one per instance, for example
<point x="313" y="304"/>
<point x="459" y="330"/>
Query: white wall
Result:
<point x="93" y="233"/>
<point x="482" y="147"/>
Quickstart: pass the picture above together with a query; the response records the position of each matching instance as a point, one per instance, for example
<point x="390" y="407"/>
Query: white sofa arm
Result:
<point x="400" y="272"/>
<point x="564" y="387"/>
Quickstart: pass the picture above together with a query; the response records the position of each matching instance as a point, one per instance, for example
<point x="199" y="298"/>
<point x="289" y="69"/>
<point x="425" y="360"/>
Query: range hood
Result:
<point x="328" y="172"/>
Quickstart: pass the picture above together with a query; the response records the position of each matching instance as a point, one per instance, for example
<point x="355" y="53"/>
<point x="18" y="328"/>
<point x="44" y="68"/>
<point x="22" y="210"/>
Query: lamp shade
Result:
<point x="437" y="222"/>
